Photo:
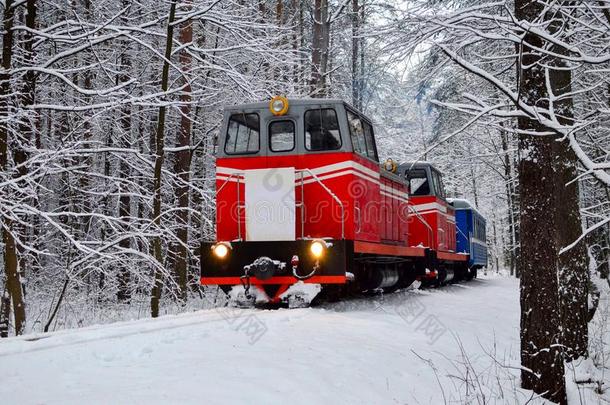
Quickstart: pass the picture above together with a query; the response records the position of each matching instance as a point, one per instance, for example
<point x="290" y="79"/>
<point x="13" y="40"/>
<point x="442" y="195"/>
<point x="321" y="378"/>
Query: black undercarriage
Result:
<point x="271" y="264"/>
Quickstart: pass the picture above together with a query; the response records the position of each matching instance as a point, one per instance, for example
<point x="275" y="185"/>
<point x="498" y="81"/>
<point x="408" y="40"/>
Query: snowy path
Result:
<point x="360" y="351"/>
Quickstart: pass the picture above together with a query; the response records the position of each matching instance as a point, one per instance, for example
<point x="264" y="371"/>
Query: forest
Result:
<point x="110" y="112"/>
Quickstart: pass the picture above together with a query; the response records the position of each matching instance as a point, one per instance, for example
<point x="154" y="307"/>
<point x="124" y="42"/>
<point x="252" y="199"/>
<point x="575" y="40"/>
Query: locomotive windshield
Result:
<point x="322" y="130"/>
<point x="243" y="134"/>
<point x="306" y="127"/>
<point x="281" y="136"/>
<point x="418" y="182"/>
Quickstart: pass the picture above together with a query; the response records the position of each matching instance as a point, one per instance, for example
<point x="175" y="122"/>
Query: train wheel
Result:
<point x="330" y="293"/>
<point x="390" y="290"/>
<point x="406" y="279"/>
<point x="470" y="274"/>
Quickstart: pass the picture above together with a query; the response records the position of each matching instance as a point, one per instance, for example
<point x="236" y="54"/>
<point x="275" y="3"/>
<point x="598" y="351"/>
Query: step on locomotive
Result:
<point x="303" y="205"/>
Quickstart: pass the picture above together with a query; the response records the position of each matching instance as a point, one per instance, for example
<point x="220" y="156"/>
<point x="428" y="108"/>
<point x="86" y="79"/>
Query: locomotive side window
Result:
<point x="281" y="136"/>
<point x="418" y="182"/>
<point x="243" y="134"/>
<point x="370" y="141"/>
<point x="322" y="130"/>
<point x="438" y="184"/>
<point x="356" y="133"/>
<point x="361" y="133"/>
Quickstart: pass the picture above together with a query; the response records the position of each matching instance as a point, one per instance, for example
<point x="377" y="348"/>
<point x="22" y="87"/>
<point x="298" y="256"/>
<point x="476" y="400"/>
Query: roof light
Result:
<point x="390" y="165"/>
<point x="278" y="105"/>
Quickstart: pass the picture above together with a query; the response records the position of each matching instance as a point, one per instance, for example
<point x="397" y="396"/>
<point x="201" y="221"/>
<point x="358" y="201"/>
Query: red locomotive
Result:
<point x="301" y="199"/>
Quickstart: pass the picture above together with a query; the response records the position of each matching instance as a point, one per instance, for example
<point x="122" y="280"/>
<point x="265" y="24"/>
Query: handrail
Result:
<point x="236" y="175"/>
<point x="443" y="238"/>
<point x="430" y="231"/>
<point x="463" y="234"/>
<point x="302" y="205"/>
<point x="227" y="180"/>
<point x="329" y="191"/>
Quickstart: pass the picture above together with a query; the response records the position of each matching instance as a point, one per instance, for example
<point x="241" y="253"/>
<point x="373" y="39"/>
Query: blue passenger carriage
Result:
<point x="471" y="236"/>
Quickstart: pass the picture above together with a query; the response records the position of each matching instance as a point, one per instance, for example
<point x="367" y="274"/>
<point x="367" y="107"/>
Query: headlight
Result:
<point x="221" y="250"/>
<point x="278" y="105"/>
<point x="317" y="249"/>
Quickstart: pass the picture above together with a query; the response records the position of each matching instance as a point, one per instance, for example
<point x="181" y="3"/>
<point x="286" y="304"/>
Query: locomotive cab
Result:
<point x="424" y="180"/>
<point x="433" y="218"/>
<point x="329" y="149"/>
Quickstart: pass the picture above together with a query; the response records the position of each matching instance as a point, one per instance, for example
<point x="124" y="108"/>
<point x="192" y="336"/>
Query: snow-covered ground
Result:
<point x="411" y="347"/>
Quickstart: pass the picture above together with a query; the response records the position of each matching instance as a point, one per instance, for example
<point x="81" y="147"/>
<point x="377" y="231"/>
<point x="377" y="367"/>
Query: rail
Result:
<point x="329" y="191"/>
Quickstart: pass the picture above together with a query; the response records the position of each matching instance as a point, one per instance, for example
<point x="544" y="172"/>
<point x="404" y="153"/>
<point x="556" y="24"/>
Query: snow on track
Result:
<point x="358" y="351"/>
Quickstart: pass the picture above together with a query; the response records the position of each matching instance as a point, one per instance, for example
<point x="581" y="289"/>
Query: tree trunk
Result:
<point x="319" y="53"/>
<point x="553" y="286"/>
<point x="28" y="129"/>
<point x="279" y="12"/>
<point x="361" y="49"/>
<point x="541" y="356"/>
<point x="302" y="73"/>
<point x="11" y="264"/>
<point x="540" y="318"/>
<point x="496" y="251"/>
<point x="62" y="294"/>
<point x="5" y="314"/>
<point x="473" y="181"/>
<point x="295" y="7"/>
<point x="355" y="54"/>
<point x="508" y="178"/>
<point x="182" y="166"/>
<point x="159" y="156"/>
<point x="324" y="50"/>
<point x="516" y="194"/>
<point x="13" y="281"/>
<point x="572" y="264"/>
<point x="123" y="291"/>
<point x="83" y="204"/>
